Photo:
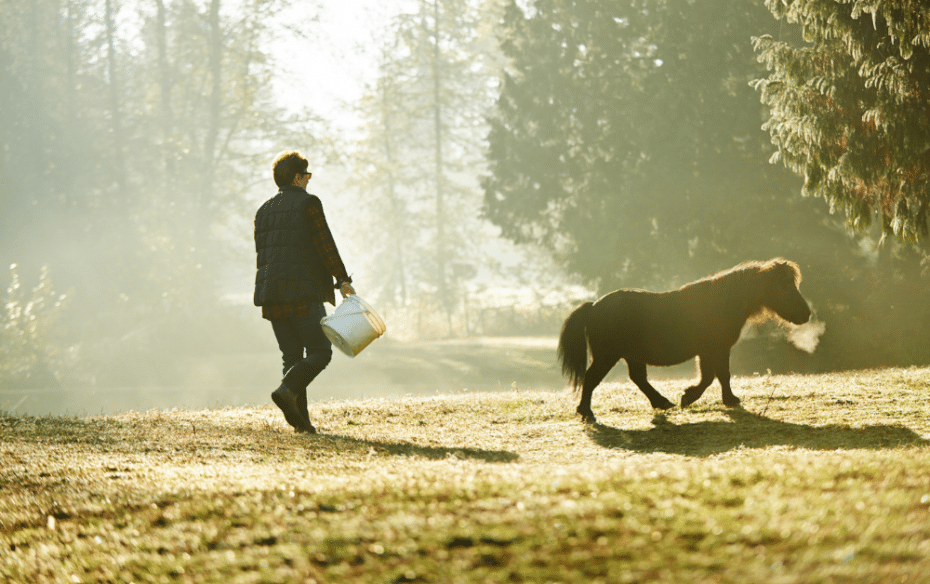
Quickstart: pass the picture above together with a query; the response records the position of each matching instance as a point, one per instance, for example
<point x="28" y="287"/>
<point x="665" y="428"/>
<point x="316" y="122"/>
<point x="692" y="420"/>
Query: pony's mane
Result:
<point x="748" y="275"/>
<point x="752" y="268"/>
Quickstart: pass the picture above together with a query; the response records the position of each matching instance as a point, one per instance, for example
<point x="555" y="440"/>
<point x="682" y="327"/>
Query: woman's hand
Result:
<point x="346" y="289"/>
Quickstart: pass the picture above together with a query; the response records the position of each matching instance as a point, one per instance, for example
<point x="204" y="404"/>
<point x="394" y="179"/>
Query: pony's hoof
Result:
<point x="688" y="398"/>
<point x="587" y="417"/>
<point x="731" y="402"/>
<point x="666" y="405"/>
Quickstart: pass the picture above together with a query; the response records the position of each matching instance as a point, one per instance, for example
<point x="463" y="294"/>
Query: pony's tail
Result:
<point x="573" y="345"/>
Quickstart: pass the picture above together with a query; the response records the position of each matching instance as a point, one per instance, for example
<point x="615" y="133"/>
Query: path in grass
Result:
<point x="832" y="483"/>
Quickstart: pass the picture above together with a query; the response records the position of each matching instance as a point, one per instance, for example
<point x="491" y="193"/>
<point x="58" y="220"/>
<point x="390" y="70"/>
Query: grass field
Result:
<point x="819" y="478"/>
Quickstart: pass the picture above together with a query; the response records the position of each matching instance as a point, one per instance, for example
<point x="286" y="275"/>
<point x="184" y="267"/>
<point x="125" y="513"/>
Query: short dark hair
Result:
<point x="286" y="166"/>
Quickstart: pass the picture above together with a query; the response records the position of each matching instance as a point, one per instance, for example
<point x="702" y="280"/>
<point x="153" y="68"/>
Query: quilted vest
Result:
<point x="289" y="269"/>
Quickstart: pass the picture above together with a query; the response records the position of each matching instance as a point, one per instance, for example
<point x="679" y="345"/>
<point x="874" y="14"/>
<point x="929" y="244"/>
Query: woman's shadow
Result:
<point x="345" y="444"/>
<point x="746" y="429"/>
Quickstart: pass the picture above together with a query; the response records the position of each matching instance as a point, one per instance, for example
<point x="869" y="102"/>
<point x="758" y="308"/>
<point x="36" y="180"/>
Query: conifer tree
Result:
<point x="849" y="107"/>
<point x="626" y="141"/>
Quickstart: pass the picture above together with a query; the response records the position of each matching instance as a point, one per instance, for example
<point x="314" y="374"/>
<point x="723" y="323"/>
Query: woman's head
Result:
<point x="287" y="166"/>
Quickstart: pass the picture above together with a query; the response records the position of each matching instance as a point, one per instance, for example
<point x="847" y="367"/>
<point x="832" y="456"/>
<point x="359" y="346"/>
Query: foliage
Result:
<point x="627" y="140"/>
<point x="421" y="150"/>
<point x="31" y="355"/>
<point x="849" y="107"/>
<point x="827" y="482"/>
<point x="133" y="131"/>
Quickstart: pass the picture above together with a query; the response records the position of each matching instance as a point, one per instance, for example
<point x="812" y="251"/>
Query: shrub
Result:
<point x="30" y="358"/>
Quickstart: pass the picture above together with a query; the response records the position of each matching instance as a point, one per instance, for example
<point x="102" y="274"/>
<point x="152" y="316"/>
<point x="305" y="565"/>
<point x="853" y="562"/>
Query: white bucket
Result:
<point x="353" y="325"/>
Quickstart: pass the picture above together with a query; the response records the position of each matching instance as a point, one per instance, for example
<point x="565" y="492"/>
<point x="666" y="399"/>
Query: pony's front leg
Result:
<point x="638" y="375"/>
<point x="723" y="374"/>
<point x="694" y="393"/>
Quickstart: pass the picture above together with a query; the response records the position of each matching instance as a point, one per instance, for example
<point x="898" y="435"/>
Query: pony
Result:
<point x="702" y="319"/>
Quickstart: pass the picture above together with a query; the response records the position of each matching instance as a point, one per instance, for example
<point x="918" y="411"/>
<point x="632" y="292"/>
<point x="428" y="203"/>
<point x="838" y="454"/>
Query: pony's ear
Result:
<point x="787" y="267"/>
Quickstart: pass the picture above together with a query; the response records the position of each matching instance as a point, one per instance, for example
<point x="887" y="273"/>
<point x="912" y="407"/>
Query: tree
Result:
<point x="385" y="179"/>
<point x="849" y="107"/>
<point x="848" y="104"/>
<point x="116" y="111"/>
<point x="31" y="357"/>
<point x="421" y="152"/>
<point x="626" y="139"/>
<point x="128" y="144"/>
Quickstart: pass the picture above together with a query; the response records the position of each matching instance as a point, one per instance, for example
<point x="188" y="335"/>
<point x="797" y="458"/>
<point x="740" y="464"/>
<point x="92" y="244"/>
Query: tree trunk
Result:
<point x="213" y="129"/>
<point x="164" y="81"/>
<point x="398" y="273"/>
<point x="442" y="285"/>
<point x="69" y="64"/>
<point x="116" y="113"/>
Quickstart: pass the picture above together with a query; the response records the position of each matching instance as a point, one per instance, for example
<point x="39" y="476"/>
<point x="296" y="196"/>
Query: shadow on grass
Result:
<point x="377" y="448"/>
<point x="108" y="435"/>
<point x="749" y="430"/>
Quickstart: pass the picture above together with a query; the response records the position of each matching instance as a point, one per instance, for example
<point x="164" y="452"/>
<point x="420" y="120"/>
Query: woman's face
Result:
<point x="302" y="179"/>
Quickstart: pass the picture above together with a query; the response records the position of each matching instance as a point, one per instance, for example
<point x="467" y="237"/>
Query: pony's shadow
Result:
<point x="749" y="430"/>
<point x="379" y="448"/>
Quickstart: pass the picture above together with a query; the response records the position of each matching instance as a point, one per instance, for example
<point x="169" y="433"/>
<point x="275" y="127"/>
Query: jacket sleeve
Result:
<point x="325" y="244"/>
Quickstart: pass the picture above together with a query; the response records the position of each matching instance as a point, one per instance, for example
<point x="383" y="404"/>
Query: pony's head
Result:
<point x="780" y="292"/>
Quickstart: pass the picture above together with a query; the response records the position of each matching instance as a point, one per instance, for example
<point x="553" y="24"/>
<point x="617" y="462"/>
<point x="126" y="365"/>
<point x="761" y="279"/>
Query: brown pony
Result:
<point x="702" y="319"/>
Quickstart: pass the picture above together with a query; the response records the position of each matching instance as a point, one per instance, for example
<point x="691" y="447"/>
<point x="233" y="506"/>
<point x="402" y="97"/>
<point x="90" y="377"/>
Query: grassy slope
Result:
<point x="831" y="484"/>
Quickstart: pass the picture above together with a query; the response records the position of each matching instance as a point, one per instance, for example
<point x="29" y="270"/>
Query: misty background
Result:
<point x="485" y="166"/>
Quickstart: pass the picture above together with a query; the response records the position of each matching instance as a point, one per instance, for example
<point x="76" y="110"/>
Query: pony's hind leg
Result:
<point x="599" y="369"/>
<point x="638" y="375"/>
<point x="694" y="393"/>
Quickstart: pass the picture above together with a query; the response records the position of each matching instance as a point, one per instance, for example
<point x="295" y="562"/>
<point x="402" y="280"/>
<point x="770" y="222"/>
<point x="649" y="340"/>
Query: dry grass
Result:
<point x="831" y="484"/>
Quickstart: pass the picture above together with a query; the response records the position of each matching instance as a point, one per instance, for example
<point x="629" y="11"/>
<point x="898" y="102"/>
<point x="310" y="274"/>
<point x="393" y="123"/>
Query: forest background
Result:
<point x="510" y="160"/>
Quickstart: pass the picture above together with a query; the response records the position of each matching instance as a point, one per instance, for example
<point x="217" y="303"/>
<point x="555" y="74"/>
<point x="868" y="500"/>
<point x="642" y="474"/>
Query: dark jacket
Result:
<point x="297" y="260"/>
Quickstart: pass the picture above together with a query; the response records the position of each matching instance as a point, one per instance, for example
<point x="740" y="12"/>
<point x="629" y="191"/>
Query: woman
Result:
<point x="298" y="264"/>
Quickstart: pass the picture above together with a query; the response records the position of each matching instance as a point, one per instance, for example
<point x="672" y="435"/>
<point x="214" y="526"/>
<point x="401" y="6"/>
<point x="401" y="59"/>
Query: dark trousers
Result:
<point x="305" y="350"/>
